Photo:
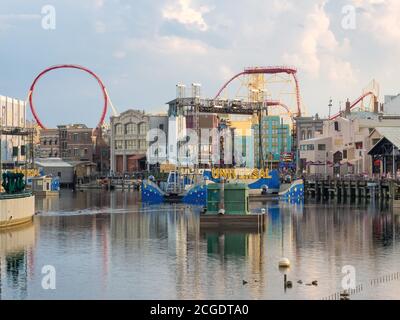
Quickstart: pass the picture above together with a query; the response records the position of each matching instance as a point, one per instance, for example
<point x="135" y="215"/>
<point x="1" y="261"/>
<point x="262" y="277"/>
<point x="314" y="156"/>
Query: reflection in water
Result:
<point x="15" y="259"/>
<point x="108" y="245"/>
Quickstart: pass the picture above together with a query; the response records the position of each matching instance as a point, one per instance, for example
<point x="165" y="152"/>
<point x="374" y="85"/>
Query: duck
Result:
<point x="314" y="283"/>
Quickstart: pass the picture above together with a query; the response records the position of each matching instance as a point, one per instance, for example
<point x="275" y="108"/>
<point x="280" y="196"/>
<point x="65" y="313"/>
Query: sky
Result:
<point x="141" y="49"/>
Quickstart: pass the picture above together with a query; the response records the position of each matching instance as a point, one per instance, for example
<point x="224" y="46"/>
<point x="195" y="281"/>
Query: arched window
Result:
<point x="142" y="128"/>
<point x="309" y="134"/>
<point x="118" y="129"/>
<point x="303" y="134"/>
<point x="130" y="128"/>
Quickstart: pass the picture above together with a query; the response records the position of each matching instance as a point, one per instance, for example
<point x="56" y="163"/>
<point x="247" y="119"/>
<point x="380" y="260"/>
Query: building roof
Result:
<point x="75" y="163"/>
<point x="52" y="162"/>
<point x="390" y="134"/>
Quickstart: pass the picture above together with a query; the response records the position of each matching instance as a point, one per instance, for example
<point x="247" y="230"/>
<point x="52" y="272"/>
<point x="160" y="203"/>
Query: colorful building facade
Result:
<point x="276" y="139"/>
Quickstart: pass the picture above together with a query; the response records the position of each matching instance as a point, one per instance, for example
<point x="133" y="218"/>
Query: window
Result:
<point x="142" y="145"/>
<point x="344" y="154"/>
<point x="129" y="144"/>
<point x="130" y="128"/>
<point x="359" y="145"/>
<point x="161" y="126"/>
<point x="321" y="147"/>
<point x="118" y="145"/>
<point x="337" y="126"/>
<point x="118" y="129"/>
<point x="75" y="137"/>
<point x="142" y="128"/>
<point x="85" y="152"/>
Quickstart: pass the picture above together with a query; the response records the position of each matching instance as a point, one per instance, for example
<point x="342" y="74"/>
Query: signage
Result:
<point x="242" y="173"/>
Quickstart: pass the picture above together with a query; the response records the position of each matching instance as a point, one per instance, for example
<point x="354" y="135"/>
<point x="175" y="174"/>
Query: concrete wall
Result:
<point x="67" y="173"/>
<point x="16" y="211"/>
<point x="392" y="105"/>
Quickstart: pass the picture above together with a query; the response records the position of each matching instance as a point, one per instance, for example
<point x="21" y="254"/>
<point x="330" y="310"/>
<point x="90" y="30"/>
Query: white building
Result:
<point x="129" y="144"/>
<point x="344" y="144"/>
<point x="12" y="114"/>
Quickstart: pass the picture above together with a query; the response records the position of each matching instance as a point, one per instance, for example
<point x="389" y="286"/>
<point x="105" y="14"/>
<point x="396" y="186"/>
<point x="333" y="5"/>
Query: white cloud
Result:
<point x="168" y="45"/>
<point x="183" y="12"/>
<point x="280" y="6"/>
<point x="318" y="51"/>
<point x="99" y="3"/>
<point x="8" y="21"/>
<point x="380" y="18"/>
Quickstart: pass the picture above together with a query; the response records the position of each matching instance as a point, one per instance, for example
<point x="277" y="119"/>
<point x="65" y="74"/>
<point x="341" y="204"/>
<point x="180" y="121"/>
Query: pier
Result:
<point x="352" y="188"/>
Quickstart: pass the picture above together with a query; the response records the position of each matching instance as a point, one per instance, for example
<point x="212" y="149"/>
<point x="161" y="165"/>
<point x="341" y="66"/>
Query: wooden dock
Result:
<point x="253" y="222"/>
<point x="352" y="189"/>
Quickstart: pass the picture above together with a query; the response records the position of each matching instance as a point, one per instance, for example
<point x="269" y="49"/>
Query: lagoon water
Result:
<point x="109" y="246"/>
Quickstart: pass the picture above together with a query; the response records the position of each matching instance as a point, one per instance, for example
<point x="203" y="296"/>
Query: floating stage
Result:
<point x="249" y="222"/>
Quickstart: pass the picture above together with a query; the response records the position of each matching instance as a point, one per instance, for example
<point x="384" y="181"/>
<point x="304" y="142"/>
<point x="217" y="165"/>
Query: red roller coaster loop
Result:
<point x="275" y="103"/>
<point x="354" y="104"/>
<point x="268" y="70"/>
<point x="67" y="66"/>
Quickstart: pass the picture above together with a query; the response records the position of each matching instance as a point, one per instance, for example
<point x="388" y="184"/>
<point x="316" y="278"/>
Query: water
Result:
<point x="108" y="246"/>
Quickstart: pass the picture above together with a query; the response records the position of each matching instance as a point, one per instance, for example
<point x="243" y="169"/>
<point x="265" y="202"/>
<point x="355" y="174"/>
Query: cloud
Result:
<point x="318" y="51"/>
<point x="99" y="4"/>
<point x="167" y="45"/>
<point x="8" y="21"/>
<point x="380" y="18"/>
<point x="182" y="12"/>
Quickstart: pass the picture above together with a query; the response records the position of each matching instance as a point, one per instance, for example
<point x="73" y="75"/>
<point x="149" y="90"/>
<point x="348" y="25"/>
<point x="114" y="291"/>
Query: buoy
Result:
<point x="284" y="263"/>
